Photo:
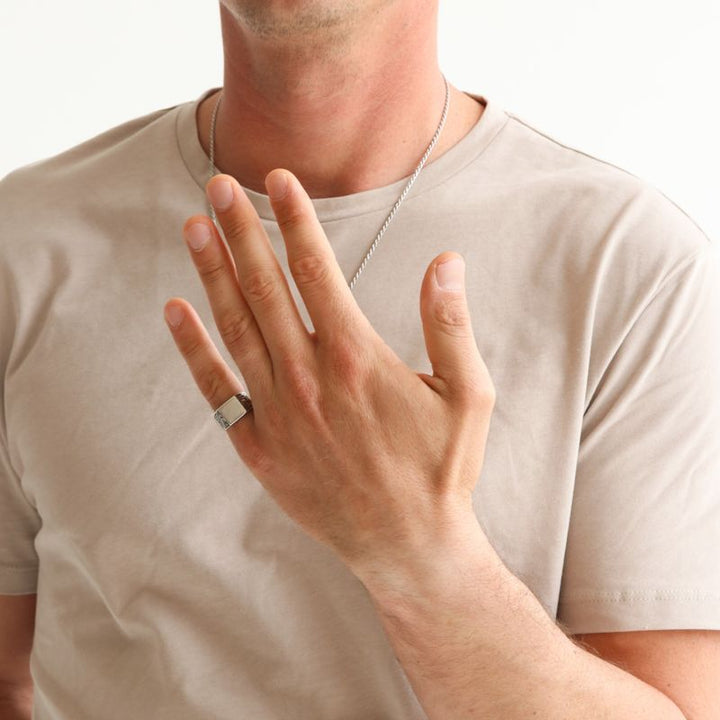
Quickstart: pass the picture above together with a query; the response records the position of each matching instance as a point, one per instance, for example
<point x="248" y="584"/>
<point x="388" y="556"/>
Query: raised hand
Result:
<point x="368" y="456"/>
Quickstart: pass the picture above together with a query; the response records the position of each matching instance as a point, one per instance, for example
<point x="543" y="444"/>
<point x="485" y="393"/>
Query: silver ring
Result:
<point x="233" y="409"/>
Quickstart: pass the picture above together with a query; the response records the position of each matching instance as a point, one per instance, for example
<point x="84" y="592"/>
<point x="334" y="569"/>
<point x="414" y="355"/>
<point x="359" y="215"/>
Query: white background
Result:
<point x="633" y="82"/>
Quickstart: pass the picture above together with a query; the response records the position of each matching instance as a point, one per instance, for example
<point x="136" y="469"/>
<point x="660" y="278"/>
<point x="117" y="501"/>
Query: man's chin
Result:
<point x="302" y="18"/>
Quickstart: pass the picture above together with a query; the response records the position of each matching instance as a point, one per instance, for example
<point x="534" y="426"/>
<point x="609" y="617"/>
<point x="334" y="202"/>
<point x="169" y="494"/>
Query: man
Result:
<point x="527" y="529"/>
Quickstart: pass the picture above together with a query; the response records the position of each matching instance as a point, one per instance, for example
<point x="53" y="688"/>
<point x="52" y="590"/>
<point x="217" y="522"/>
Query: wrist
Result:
<point x="449" y="558"/>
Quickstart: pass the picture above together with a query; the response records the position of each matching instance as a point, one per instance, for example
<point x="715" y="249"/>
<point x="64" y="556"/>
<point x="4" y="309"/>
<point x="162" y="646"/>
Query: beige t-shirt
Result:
<point x="171" y="586"/>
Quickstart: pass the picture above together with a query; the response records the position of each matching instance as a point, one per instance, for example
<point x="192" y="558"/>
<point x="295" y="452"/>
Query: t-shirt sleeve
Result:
<point x="19" y="521"/>
<point x="19" y="524"/>
<point x="643" y="549"/>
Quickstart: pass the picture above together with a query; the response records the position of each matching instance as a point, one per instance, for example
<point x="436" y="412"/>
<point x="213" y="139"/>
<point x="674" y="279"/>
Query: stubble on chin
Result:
<point x="313" y="19"/>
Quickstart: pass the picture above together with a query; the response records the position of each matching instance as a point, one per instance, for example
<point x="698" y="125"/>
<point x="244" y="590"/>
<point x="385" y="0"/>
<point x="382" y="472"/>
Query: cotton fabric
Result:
<point x="171" y="586"/>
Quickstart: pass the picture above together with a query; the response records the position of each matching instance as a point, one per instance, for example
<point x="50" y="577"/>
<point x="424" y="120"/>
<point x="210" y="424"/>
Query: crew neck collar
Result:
<point x="465" y="151"/>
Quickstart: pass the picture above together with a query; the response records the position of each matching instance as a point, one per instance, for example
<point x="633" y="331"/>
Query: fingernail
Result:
<point x="198" y="235"/>
<point x="220" y="193"/>
<point x="450" y="275"/>
<point x="174" y="315"/>
<point x="277" y="185"/>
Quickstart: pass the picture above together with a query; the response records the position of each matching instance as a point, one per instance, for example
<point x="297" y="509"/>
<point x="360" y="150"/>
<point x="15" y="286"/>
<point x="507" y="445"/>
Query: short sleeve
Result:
<point x="19" y="521"/>
<point x="643" y="548"/>
<point x="19" y="524"/>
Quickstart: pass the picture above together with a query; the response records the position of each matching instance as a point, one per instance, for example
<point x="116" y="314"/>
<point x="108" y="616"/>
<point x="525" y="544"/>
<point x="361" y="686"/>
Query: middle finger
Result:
<point x="261" y="279"/>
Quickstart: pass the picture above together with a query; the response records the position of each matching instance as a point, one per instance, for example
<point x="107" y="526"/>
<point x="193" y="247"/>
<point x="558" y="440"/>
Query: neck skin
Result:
<point x="345" y="107"/>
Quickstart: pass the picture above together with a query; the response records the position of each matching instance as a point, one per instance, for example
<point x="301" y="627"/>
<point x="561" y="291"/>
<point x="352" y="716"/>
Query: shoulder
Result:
<point x="88" y="165"/>
<point x="86" y="183"/>
<point x="617" y="220"/>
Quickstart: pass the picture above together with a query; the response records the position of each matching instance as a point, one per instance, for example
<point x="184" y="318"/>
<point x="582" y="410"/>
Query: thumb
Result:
<point x="447" y="327"/>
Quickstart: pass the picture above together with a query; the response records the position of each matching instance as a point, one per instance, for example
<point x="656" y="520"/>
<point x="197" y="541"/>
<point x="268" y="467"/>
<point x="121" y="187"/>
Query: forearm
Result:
<point x="15" y="702"/>
<point x="476" y="643"/>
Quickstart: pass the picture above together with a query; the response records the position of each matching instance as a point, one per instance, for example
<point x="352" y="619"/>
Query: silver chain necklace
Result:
<point x="398" y="202"/>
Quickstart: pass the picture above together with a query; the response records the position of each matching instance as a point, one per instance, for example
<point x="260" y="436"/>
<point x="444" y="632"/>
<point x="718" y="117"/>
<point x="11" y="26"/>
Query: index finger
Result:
<point x="311" y="259"/>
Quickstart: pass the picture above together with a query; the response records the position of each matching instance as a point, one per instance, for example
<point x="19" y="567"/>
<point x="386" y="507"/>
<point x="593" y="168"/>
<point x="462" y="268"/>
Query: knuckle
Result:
<point x="235" y="225"/>
<point x="193" y="349"/>
<point x="292" y="219"/>
<point x="234" y="328"/>
<point x="478" y="393"/>
<point x="310" y="269"/>
<point x="211" y="384"/>
<point x="348" y="362"/>
<point x="212" y="272"/>
<point x="452" y="314"/>
<point x="259" y="285"/>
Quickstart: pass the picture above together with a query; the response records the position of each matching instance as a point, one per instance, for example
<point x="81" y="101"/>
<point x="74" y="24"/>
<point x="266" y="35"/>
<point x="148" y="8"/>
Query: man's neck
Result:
<point x="343" y="113"/>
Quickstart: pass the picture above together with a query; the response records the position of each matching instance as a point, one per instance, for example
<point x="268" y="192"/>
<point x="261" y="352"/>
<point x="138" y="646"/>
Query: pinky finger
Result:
<point x="214" y="378"/>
